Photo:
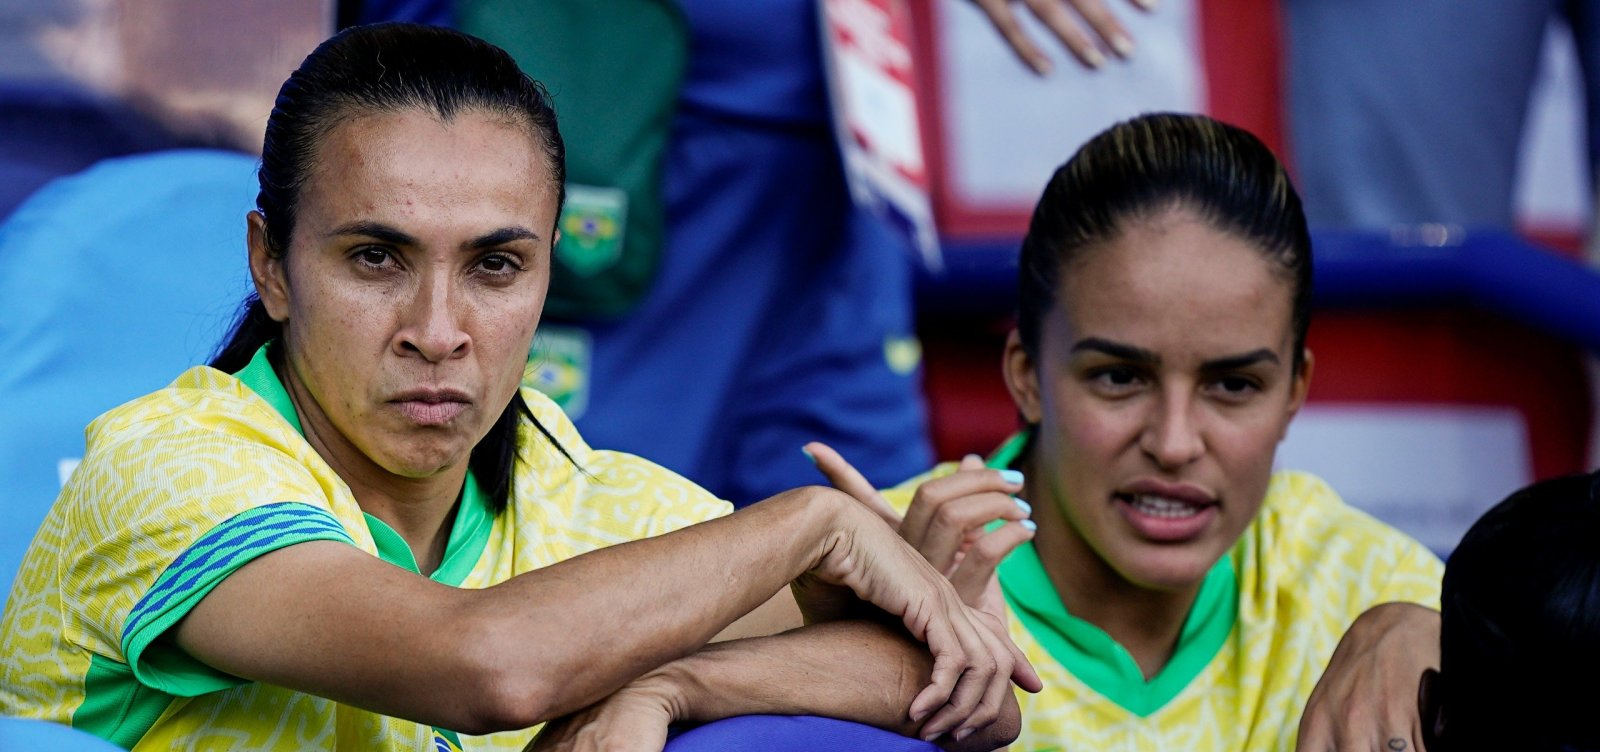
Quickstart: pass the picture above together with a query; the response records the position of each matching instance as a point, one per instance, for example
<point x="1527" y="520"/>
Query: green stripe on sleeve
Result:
<point x="158" y="663"/>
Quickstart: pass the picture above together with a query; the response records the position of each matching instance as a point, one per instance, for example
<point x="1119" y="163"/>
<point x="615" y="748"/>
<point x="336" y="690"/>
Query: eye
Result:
<point x="1116" y="379"/>
<point x="499" y="263"/>
<point x="373" y="256"/>
<point x="1236" y="387"/>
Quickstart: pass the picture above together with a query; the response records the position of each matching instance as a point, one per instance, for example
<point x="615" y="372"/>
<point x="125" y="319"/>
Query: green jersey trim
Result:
<point x="160" y="664"/>
<point x="468" y="537"/>
<point x="474" y="520"/>
<point x="1091" y="654"/>
<point x="262" y="379"/>
<point x="116" y="707"/>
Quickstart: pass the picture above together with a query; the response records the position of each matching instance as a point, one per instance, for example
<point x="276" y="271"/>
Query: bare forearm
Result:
<point x="851" y="670"/>
<point x="651" y="601"/>
<point x="537" y="646"/>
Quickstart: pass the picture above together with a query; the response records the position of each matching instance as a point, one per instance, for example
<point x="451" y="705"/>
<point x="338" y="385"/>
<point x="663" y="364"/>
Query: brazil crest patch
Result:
<point x="592" y="226"/>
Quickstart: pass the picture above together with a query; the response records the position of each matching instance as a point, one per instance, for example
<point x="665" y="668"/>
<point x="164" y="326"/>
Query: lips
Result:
<point x="431" y="407"/>
<point x="1166" y="513"/>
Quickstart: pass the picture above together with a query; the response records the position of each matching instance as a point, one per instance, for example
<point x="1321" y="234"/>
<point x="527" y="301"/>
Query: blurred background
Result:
<point x="1444" y="149"/>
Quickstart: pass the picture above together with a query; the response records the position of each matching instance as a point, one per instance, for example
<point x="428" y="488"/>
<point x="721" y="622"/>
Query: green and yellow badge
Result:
<point x="592" y="225"/>
<point x="559" y="367"/>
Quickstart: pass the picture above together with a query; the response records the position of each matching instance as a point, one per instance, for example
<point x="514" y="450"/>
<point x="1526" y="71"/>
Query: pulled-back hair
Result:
<point x="384" y="68"/>
<point x="1520" y="638"/>
<point x="1142" y="167"/>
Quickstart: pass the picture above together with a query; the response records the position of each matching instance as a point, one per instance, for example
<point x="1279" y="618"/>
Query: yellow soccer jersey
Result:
<point x="1262" y="629"/>
<point x="183" y="486"/>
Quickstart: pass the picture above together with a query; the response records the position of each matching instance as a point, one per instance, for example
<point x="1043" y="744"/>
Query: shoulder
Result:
<point x="205" y="445"/>
<point x="596" y="487"/>
<point x="1307" y="541"/>
<point x="201" y="400"/>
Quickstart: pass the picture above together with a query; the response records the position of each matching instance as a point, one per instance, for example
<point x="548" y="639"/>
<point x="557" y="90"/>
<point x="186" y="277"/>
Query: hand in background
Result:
<point x="1066" y="20"/>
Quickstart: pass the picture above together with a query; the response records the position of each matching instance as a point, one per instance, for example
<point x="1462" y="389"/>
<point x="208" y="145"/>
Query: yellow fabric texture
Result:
<point x="1306" y="567"/>
<point x="163" y="470"/>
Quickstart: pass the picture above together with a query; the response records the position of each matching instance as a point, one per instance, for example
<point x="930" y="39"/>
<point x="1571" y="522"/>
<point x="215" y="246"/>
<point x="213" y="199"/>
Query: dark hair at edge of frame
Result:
<point x="390" y="67"/>
<point x="1521" y="613"/>
<point x="1152" y="163"/>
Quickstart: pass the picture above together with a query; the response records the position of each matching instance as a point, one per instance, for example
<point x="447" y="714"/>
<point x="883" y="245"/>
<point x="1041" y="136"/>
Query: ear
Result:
<point x="1022" y="379"/>
<point x="1299" y="388"/>
<point x="267" y="269"/>
<point x="1430" y="706"/>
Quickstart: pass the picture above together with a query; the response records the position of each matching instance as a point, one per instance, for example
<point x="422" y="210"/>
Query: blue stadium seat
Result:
<point x="781" y="733"/>
<point x="18" y="734"/>
<point x="112" y="282"/>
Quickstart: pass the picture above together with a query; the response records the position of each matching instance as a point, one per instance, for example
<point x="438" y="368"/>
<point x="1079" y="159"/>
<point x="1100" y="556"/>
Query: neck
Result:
<point x="420" y="510"/>
<point x="1144" y="621"/>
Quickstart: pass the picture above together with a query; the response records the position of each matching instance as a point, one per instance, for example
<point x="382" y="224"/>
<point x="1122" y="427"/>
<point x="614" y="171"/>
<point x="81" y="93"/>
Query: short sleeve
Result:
<point x="162" y="511"/>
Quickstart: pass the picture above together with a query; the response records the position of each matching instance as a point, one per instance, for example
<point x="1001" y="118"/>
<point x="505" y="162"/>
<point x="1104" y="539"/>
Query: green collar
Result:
<point x="1091" y="654"/>
<point x="474" y="518"/>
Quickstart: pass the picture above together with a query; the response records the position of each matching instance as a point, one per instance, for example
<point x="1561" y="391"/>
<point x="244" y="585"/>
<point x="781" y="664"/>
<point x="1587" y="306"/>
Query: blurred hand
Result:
<point x="1367" y="699"/>
<point x="1066" y="19"/>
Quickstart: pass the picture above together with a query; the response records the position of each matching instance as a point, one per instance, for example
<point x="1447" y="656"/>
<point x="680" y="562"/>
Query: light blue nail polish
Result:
<point x="1011" y="476"/>
<point x="1031" y="525"/>
<point x="1023" y="505"/>
<point x="809" y="456"/>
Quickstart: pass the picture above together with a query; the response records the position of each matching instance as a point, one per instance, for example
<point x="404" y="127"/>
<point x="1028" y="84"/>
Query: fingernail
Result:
<point x="1023" y="505"/>
<point x="809" y="455"/>
<point x="918" y="715"/>
<point x="931" y="737"/>
<point x="962" y="734"/>
<point x="1013" y="477"/>
<point x="1147" y="4"/>
<point x="1031" y="525"/>
<point x="1042" y="66"/>
<point x="1123" y="45"/>
<point x="1094" y="58"/>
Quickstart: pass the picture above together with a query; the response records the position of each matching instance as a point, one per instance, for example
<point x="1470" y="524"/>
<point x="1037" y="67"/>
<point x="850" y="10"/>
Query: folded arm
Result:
<point x="328" y="619"/>
<point x="858" y="671"/>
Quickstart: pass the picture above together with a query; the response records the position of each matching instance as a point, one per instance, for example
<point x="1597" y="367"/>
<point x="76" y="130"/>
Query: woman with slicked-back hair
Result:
<point x="356" y="530"/>
<point x="1173" y="589"/>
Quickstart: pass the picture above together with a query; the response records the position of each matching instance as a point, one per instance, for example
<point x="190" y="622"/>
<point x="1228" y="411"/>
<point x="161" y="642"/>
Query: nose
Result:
<point x="1172" y="436"/>
<point x="432" y="323"/>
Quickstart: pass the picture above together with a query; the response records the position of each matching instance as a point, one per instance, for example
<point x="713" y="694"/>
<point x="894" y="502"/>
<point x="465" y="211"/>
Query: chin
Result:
<point x="1169" y="569"/>
<point x="423" y="461"/>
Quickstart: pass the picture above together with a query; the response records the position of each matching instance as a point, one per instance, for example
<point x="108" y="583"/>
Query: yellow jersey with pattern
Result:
<point x="181" y="487"/>
<point x="1267" y="619"/>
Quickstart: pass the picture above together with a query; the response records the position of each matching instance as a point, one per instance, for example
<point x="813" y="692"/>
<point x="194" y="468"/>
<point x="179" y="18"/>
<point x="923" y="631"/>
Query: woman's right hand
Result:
<point x="974" y="660"/>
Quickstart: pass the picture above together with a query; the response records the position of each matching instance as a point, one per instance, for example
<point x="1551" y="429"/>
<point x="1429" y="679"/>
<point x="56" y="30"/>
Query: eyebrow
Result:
<point x="502" y="236"/>
<point x="1149" y="357"/>
<point x="384" y="233"/>
<point x="374" y="230"/>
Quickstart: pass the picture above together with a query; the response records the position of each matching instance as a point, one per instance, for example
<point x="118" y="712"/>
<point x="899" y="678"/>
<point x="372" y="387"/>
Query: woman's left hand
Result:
<point x="948" y="521"/>
<point x="632" y="719"/>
